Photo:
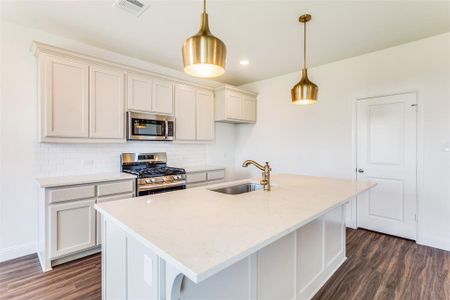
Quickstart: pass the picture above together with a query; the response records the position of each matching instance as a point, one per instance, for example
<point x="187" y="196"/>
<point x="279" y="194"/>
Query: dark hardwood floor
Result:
<point x="22" y="278"/>
<point x="378" y="267"/>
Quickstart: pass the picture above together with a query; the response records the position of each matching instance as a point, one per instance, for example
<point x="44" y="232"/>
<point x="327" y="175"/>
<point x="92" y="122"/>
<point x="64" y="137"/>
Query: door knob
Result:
<point x="360" y="171"/>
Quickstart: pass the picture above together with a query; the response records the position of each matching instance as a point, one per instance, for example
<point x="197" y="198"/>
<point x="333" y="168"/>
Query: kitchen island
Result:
<point x="201" y="244"/>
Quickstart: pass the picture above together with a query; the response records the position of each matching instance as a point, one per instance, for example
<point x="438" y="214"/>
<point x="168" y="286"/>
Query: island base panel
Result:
<point x="293" y="267"/>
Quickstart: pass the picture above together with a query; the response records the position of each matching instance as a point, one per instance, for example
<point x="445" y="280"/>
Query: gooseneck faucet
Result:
<point x="265" y="181"/>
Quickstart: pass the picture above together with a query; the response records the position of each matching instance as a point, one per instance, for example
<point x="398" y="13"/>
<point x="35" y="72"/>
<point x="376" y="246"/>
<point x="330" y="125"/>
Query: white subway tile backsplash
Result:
<point x="75" y="159"/>
<point x="72" y="159"/>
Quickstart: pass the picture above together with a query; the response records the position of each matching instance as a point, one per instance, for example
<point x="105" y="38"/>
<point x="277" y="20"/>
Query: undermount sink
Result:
<point x="239" y="189"/>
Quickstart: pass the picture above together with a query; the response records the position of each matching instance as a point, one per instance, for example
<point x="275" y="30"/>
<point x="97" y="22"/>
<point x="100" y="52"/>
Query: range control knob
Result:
<point x="147" y="180"/>
<point x="153" y="180"/>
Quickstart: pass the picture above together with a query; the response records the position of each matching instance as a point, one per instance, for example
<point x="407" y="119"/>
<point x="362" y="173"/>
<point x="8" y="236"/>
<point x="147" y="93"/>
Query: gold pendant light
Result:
<point x="204" y="55"/>
<point x="305" y="91"/>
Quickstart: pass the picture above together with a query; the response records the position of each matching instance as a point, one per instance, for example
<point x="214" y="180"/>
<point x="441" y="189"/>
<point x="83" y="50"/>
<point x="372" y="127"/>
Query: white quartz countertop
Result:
<point x="193" y="169"/>
<point x="46" y="182"/>
<point x="201" y="232"/>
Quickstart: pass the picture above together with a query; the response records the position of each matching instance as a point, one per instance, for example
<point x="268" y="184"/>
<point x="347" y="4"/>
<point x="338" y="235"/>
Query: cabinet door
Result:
<point x="107" y="106"/>
<point x="162" y="100"/>
<point x="185" y="111"/>
<point x="205" y="116"/>
<point x="72" y="227"/>
<point x="248" y="109"/>
<point x="233" y="105"/>
<point x="139" y="92"/>
<point x="65" y="100"/>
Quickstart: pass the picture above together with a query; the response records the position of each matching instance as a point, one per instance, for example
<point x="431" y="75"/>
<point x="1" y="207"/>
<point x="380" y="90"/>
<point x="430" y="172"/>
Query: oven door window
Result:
<point x="148" y="127"/>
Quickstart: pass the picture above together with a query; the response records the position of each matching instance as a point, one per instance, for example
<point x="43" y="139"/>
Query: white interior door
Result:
<point x="386" y="154"/>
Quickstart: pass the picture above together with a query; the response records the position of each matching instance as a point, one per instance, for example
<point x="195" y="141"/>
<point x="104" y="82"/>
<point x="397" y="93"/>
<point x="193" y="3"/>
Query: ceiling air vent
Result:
<point x="134" y="7"/>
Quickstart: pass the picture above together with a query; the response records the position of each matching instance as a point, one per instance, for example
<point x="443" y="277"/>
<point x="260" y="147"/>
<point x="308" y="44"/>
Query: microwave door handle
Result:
<point x="166" y="129"/>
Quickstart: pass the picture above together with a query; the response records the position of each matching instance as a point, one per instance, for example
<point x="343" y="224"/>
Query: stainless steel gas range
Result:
<point x="153" y="174"/>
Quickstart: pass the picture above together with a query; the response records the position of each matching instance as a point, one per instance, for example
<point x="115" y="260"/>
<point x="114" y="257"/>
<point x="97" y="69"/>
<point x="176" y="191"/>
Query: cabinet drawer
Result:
<point x="114" y="197"/>
<point x="71" y="193"/>
<point x="216" y="175"/>
<point x="194" y="185"/>
<point x="195" y="177"/>
<point x="115" y="188"/>
<point x="216" y="181"/>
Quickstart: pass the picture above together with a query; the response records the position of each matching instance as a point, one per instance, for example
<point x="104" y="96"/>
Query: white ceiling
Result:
<point x="266" y="33"/>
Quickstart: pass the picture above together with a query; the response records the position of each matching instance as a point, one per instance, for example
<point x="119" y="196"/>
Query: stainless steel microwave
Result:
<point x="150" y="127"/>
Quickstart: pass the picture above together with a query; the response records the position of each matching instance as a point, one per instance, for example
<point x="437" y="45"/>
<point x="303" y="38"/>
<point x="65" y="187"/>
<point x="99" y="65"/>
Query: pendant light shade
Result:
<point x="305" y="91"/>
<point x="204" y="55"/>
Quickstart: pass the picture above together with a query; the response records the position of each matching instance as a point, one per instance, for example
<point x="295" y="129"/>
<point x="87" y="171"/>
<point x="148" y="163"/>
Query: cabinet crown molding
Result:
<point x="38" y="47"/>
<point x="236" y="89"/>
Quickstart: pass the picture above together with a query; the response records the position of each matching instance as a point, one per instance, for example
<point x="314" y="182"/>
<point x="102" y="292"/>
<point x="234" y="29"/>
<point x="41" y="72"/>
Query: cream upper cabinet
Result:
<point x="139" y="92"/>
<point x="64" y="95"/>
<point x="162" y="100"/>
<point x="248" y="107"/>
<point x="83" y="99"/>
<point x="106" y="105"/>
<point x="205" y="115"/>
<point x="149" y="94"/>
<point x="185" y="112"/>
<point x="234" y="105"/>
<point x="194" y="114"/>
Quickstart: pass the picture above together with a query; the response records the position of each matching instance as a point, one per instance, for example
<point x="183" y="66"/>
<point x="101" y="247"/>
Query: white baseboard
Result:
<point x="17" y="251"/>
<point x="434" y="242"/>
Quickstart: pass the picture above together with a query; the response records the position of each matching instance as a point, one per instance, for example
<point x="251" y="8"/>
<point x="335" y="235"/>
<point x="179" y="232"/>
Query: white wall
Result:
<point x="22" y="159"/>
<point x="317" y="139"/>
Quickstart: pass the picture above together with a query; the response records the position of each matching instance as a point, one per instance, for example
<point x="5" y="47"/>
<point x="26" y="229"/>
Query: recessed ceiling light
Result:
<point x="244" y="62"/>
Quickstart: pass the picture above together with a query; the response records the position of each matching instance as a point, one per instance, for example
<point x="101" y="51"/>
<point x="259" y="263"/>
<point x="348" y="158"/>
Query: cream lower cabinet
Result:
<point x="233" y="105"/>
<point x="72" y="227"/>
<point x="204" y="177"/>
<point x="68" y="225"/>
<point x="194" y="113"/>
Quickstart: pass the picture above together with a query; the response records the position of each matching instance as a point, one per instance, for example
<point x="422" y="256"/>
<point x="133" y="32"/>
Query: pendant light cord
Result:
<point x="204" y="6"/>
<point x="304" y="45"/>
